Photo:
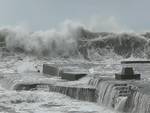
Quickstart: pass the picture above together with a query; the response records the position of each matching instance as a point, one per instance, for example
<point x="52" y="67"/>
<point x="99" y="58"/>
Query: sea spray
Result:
<point x="73" y="40"/>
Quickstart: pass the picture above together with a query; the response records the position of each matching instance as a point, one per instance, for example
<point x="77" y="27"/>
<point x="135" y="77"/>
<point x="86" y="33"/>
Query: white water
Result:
<point x="44" y="102"/>
<point x="40" y="101"/>
<point x="72" y="42"/>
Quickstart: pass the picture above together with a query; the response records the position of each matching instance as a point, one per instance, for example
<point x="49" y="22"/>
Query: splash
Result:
<point x="76" y="40"/>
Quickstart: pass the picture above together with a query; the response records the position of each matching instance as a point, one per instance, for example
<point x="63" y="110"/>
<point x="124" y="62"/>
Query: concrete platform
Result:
<point x="106" y="92"/>
<point x="72" y="75"/>
<point x="142" y="86"/>
<point x="127" y="77"/>
<point x="15" y="80"/>
<point x="77" y="92"/>
<point x="137" y="61"/>
<point x="37" y="81"/>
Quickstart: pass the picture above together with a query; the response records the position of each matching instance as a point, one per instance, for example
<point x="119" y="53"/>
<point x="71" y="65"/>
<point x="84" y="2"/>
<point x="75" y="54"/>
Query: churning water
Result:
<point x="24" y="52"/>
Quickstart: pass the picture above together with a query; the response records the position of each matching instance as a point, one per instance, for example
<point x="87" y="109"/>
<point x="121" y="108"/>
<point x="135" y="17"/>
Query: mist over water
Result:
<point x="49" y="42"/>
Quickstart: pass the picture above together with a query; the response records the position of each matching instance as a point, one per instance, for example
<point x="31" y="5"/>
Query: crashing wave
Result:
<point x="73" y="41"/>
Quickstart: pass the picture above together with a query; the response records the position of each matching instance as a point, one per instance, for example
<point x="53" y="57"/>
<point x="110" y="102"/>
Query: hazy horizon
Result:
<point x="102" y="15"/>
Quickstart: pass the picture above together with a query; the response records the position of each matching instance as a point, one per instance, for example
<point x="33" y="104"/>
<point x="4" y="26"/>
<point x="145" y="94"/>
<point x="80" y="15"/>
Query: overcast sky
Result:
<point x="45" y="14"/>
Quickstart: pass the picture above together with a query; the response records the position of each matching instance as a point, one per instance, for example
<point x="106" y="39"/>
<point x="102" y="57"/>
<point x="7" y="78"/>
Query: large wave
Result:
<point x="123" y="44"/>
<point x="74" y="40"/>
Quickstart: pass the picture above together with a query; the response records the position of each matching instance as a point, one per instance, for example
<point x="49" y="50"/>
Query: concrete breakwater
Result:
<point x="80" y="93"/>
<point x="50" y="84"/>
<point x="126" y="96"/>
<point x="131" y="96"/>
<point x="123" y="96"/>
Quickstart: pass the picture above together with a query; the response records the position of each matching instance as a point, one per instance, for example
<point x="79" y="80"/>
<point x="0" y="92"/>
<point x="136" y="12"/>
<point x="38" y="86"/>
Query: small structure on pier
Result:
<point x="60" y="71"/>
<point x="127" y="74"/>
<point x="51" y="70"/>
<point x="139" y="66"/>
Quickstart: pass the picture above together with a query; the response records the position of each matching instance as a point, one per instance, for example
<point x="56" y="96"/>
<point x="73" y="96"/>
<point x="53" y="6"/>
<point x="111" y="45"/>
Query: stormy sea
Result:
<point x="74" y="49"/>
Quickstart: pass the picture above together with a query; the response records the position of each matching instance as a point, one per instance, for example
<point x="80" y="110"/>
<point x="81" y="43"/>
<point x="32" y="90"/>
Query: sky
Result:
<point x="104" y="15"/>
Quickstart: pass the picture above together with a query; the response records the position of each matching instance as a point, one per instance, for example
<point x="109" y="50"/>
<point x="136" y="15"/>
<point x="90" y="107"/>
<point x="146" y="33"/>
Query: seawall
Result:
<point x="130" y="96"/>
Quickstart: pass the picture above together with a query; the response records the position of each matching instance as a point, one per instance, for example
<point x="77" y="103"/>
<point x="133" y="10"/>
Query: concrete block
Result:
<point x="25" y="87"/>
<point x="127" y="74"/>
<point x="50" y="70"/>
<point x="2" y="44"/>
<point x="22" y="86"/>
<point x="72" y="75"/>
<point x="140" y="66"/>
<point x="127" y="71"/>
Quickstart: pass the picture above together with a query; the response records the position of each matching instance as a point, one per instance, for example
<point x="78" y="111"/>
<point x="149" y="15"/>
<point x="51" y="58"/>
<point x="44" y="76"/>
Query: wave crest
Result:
<point x="72" y="41"/>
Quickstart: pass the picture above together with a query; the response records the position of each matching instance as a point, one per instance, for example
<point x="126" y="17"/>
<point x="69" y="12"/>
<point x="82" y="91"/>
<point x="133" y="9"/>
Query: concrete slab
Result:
<point x="72" y="75"/>
<point x="134" y="62"/>
<point x="127" y="77"/>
